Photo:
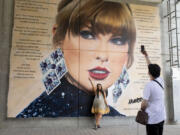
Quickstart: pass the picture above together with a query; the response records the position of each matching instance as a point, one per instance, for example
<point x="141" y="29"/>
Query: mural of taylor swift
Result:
<point x="97" y="39"/>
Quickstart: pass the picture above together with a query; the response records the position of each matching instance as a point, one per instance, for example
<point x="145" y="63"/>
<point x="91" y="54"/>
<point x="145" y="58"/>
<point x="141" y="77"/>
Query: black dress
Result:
<point x="65" y="101"/>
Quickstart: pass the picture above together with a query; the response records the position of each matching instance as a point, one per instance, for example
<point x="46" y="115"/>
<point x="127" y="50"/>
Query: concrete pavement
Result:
<point x="105" y="130"/>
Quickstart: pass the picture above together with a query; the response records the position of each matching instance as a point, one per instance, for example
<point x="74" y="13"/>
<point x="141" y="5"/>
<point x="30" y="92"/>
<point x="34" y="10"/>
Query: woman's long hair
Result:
<point x="101" y="90"/>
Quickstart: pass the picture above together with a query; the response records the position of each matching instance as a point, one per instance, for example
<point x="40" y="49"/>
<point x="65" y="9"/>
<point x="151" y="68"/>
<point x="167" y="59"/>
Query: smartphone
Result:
<point x="142" y="48"/>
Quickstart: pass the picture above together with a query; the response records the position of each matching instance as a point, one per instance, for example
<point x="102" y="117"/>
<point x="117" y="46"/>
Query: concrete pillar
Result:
<point x="167" y="72"/>
<point x="6" y="23"/>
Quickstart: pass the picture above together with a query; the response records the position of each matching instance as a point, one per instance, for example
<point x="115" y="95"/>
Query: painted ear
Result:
<point x="54" y="29"/>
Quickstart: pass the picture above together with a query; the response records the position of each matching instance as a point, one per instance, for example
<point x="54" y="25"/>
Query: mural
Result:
<point x="55" y="52"/>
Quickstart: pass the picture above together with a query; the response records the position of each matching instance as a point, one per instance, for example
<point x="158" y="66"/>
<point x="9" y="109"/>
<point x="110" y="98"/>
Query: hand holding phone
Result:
<point x="143" y="51"/>
<point x="142" y="48"/>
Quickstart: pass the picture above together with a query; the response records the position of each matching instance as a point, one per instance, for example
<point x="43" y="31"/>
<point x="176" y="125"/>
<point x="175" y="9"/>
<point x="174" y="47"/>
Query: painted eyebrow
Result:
<point x="119" y="36"/>
<point x="89" y="27"/>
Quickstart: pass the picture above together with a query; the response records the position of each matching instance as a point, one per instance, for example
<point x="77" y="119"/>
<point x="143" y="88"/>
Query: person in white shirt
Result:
<point x="153" y="99"/>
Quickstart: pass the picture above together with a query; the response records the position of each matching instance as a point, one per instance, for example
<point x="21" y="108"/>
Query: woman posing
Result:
<point x="100" y="105"/>
<point x="153" y="99"/>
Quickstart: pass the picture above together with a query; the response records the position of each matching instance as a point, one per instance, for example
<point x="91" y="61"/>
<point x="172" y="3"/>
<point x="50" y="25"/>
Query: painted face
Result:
<point x="99" y="57"/>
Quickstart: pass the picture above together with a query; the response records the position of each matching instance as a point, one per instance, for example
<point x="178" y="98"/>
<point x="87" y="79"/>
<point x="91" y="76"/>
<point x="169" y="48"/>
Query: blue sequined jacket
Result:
<point x="65" y="101"/>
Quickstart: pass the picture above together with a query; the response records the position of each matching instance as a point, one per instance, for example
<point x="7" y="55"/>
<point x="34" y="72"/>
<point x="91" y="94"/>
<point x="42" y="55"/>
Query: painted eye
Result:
<point x="118" y="41"/>
<point x="87" y="34"/>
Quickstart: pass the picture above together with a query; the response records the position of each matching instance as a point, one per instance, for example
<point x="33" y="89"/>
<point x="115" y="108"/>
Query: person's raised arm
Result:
<point x="92" y="85"/>
<point x="146" y="57"/>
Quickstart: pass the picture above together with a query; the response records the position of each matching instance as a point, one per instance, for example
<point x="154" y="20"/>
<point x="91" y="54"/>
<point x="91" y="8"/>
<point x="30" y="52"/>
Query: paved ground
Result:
<point x="106" y="130"/>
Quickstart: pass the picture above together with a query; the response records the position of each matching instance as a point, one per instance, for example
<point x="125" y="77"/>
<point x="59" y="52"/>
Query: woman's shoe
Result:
<point x="98" y="126"/>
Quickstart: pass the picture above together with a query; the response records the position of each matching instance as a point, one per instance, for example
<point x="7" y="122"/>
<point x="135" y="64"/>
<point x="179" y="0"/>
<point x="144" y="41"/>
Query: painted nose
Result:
<point x="102" y="59"/>
<point x="102" y="51"/>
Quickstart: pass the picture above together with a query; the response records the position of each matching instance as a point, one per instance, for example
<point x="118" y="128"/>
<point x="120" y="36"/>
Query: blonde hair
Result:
<point x="101" y="16"/>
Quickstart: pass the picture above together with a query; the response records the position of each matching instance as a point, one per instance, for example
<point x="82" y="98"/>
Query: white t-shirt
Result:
<point x="154" y="94"/>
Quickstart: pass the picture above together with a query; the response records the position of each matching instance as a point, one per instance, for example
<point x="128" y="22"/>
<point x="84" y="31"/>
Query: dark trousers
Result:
<point x="155" y="129"/>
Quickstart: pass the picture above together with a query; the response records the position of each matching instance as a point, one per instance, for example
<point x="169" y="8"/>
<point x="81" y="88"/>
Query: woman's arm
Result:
<point x="105" y="98"/>
<point x="92" y="85"/>
<point x="144" y="104"/>
<point x="146" y="57"/>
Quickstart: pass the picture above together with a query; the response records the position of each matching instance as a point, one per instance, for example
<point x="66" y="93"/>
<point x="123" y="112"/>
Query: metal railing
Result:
<point x="173" y="31"/>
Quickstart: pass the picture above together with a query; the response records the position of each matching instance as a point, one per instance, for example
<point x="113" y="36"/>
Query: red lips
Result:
<point x="99" y="73"/>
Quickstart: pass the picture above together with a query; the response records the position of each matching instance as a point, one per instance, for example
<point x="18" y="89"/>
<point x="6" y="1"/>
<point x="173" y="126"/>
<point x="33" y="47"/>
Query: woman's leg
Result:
<point x="161" y="124"/>
<point x="98" y="118"/>
<point x="155" y="129"/>
<point x="151" y="129"/>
